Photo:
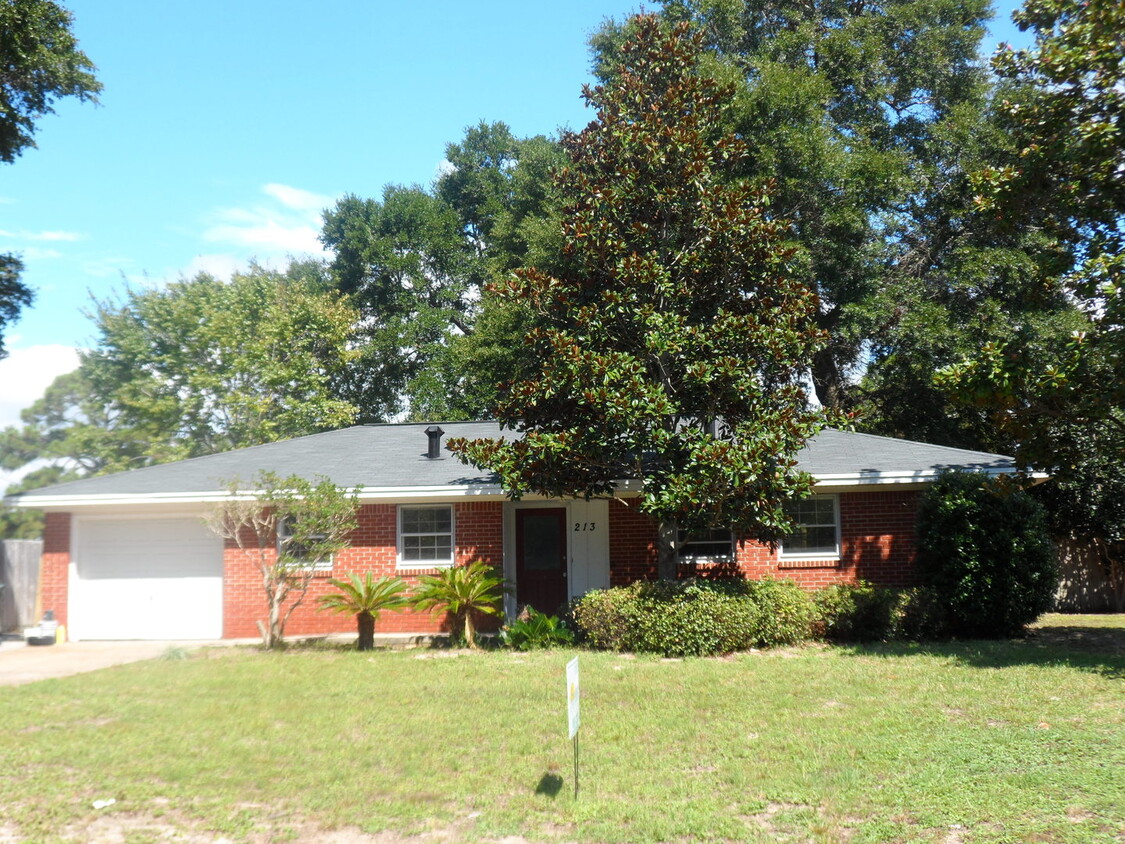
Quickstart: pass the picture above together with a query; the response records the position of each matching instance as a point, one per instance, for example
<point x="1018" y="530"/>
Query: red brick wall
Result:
<point x="54" y="570"/>
<point x="632" y="545"/>
<point x="478" y="535"/>
<point x="878" y="536"/>
<point x="876" y="545"/>
<point x="877" y="539"/>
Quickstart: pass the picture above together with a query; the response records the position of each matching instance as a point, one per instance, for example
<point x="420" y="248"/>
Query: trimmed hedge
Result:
<point x="694" y="617"/>
<point x="860" y="612"/>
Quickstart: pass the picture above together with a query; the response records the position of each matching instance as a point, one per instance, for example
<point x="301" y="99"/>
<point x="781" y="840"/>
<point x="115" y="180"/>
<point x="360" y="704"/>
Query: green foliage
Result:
<point x="860" y="612"/>
<point x="14" y="294"/>
<point x="674" y="308"/>
<point x="1062" y="176"/>
<point x="319" y="517"/>
<point x="463" y="591"/>
<point x="785" y="612"/>
<point x="1086" y="495"/>
<point x="534" y="630"/>
<point x="866" y="118"/>
<point x="18" y="523"/>
<point x="195" y="367"/>
<point x="984" y="549"/>
<point x="694" y="617"/>
<point x="365" y="598"/>
<point x="856" y="612"/>
<point x="416" y="265"/>
<point x="922" y="615"/>
<point x="42" y="63"/>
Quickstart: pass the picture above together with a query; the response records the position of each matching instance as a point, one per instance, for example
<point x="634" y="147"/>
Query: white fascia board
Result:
<point x="625" y="489"/>
<point x="922" y="478"/>
<point x="366" y="494"/>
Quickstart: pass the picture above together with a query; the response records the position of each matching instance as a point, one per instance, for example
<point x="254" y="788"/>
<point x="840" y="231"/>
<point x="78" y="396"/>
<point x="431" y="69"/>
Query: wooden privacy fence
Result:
<point x="1083" y="582"/>
<point x="19" y="572"/>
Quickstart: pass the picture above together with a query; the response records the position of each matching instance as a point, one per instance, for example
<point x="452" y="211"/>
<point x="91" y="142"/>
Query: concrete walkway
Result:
<point x="22" y="663"/>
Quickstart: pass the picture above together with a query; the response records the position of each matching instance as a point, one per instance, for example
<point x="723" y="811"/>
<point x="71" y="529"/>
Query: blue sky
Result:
<point x="226" y="128"/>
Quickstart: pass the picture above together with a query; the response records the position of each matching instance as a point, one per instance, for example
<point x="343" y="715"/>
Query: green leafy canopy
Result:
<point x="676" y="311"/>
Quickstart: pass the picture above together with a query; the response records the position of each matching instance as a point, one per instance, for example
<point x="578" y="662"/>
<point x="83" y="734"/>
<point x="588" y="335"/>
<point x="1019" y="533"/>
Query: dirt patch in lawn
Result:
<point x="132" y="828"/>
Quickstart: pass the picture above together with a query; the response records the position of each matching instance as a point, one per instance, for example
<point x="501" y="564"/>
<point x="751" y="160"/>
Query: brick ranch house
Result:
<point x="127" y="556"/>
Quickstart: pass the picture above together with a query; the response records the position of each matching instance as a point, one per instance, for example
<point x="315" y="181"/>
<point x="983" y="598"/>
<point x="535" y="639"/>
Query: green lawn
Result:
<point x="1012" y="741"/>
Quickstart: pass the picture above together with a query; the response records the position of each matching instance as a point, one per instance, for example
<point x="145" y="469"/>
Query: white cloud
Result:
<point x="26" y="374"/>
<point x="287" y="223"/>
<point x="302" y="200"/>
<point x="34" y="253"/>
<point x="220" y="266"/>
<point x="9" y="478"/>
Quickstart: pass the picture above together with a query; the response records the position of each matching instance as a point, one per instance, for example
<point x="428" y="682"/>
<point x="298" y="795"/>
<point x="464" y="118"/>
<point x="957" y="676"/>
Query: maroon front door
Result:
<point x="541" y="558"/>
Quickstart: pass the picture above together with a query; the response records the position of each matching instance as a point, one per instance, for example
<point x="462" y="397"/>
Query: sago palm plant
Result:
<point x="365" y="598"/>
<point x="462" y="590"/>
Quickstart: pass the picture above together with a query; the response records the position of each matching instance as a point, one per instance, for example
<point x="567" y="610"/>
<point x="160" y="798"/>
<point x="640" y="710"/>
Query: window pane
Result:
<point x="821" y="540"/>
<point x="426" y="535"/>
<point x="542" y="543"/>
<point x="815" y="530"/>
<point x="427" y="519"/>
<point x="713" y="544"/>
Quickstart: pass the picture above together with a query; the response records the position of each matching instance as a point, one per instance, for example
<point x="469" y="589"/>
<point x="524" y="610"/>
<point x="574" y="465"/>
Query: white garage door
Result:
<point x="147" y="579"/>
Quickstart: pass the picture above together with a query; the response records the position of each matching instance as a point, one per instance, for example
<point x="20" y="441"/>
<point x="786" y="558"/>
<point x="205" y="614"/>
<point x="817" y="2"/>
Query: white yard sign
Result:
<point x="572" y="696"/>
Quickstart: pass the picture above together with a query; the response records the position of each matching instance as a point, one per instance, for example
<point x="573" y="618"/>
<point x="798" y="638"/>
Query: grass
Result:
<point x="962" y="742"/>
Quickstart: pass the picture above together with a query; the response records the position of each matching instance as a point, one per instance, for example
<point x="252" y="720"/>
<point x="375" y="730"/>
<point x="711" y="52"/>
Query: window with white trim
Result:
<point x="714" y="545"/>
<point x="816" y="533"/>
<point x="299" y="553"/>
<point x="425" y="535"/>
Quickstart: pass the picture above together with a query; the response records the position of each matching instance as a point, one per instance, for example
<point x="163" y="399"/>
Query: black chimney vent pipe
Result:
<point x="434" y="433"/>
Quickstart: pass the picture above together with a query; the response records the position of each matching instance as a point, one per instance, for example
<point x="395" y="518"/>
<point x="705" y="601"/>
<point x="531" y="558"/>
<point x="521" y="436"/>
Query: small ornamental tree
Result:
<point x="286" y="525"/>
<point x="462" y="591"/>
<point x="365" y="597"/>
<point x="670" y="350"/>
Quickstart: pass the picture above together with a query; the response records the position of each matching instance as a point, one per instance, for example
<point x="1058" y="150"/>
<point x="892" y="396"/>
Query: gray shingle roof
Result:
<point x="833" y="452"/>
<point x="393" y="457"/>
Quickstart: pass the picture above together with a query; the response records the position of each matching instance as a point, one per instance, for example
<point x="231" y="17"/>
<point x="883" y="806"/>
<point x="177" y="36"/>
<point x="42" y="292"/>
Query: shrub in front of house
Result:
<point x="985" y="551"/>
<point x="785" y="612"/>
<point x="858" y="612"/>
<point x="534" y="630"/>
<point x="694" y="617"/>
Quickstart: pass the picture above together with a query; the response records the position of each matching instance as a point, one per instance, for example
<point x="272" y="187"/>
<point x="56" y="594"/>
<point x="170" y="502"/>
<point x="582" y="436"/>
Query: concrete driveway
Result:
<point x="22" y="663"/>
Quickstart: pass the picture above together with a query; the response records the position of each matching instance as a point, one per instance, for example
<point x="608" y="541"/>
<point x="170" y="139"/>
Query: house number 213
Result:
<point x="581" y="526"/>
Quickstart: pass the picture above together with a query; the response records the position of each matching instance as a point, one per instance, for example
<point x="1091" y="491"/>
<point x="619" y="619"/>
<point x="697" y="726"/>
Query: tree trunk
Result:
<point x="667" y="553"/>
<point x="470" y="632"/>
<point x="366" y="623"/>
<point x="827" y="380"/>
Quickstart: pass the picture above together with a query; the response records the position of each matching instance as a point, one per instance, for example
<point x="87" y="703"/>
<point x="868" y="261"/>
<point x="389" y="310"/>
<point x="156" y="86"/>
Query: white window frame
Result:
<point x="684" y="543"/>
<point x="314" y="565"/>
<point x="425" y="564"/>
<point x="830" y="556"/>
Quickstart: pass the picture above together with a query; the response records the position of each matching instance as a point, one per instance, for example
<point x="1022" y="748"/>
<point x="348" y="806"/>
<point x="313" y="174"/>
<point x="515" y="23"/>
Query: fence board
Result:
<point x="19" y="572"/>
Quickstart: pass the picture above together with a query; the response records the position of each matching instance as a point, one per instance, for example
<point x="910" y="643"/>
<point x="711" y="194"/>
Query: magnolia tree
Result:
<point x="670" y="350"/>
<point x="286" y="526"/>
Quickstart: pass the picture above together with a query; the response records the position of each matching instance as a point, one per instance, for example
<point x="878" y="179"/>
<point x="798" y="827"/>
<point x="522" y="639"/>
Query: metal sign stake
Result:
<point x="572" y="712"/>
